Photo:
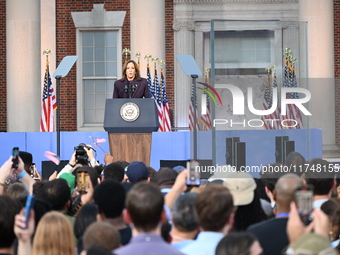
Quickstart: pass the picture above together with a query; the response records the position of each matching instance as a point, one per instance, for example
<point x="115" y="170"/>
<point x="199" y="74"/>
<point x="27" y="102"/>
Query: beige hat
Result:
<point x="241" y="185"/>
<point x="313" y="244"/>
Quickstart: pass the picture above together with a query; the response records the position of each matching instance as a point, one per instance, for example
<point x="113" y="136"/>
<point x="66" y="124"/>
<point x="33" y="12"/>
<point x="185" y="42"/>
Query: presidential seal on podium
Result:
<point x="129" y="111"/>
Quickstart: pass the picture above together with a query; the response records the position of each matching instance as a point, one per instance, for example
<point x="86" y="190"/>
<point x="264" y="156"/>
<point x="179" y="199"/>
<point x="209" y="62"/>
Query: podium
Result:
<point x="130" y="123"/>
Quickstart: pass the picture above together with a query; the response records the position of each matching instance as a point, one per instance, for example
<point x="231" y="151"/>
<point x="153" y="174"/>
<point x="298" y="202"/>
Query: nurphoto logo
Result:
<point x="281" y="118"/>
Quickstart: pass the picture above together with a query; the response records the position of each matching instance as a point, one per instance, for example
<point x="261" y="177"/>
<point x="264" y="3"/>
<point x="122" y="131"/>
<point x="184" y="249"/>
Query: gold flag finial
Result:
<point x="126" y="52"/>
<point x="138" y="56"/>
<point x="155" y="60"/>
<point x="148" y="57"/>
<point x="269" y="69"/>
<point x="47" y="52"/>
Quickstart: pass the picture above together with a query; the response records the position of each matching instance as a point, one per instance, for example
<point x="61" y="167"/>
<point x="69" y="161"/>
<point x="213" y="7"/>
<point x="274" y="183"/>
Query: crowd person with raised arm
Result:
<point x="8" y="170"/>
<point x="54" y="235"/>
<point x="8" y="209"/>
<point x="83" y="155"/>
<point x="184" y="221"/>
<point x="272" y="233"/>
<point x="319" y="173"/>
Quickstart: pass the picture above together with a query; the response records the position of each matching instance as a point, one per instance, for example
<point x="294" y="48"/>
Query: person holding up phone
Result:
<point x="301" y="238"/>
<point x="35" y="173"/>
<point x="320" y="174"/>
<point x="7" y="169"/>
<point x="272" y="233"/>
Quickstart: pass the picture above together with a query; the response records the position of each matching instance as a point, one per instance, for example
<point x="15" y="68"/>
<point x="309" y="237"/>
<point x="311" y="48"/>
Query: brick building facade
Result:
<point x="66" y="45"/>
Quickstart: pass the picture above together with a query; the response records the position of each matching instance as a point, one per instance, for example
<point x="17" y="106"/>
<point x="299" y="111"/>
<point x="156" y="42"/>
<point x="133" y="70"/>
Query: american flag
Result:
<point x="53" y="157"/>
<point x="158" y="98"/>
<point x="149" y="80"/>
<point x="166" y="109"/>
<point x="49" y="104"/>
<point x="206" y="118"/>
<point x="292" y="111"/>
<point x="192" y="113"/>
<point x="273" y="120"/>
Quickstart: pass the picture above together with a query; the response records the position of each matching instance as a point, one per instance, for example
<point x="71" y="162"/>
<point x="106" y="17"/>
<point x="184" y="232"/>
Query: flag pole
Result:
<point x="48" y="52"/>
<point x="58" y="114"/>
<point x="62" y="70"/>
<point x="194" y="77"/>
<point x="138" y="58"/>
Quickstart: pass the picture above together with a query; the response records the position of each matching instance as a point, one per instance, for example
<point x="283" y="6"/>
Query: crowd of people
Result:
<point x="129" y="208"/>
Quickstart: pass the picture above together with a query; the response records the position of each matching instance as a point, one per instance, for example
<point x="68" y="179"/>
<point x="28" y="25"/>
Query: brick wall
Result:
<point x="169" y="51"/>
<point x="3" y="107"/>
<point x="337" y="69"/>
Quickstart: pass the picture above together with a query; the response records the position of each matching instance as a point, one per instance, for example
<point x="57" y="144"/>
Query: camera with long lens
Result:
<point x="81" y="154"/>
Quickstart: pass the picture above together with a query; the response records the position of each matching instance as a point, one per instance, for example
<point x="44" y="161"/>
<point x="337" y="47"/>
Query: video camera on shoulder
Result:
<point x="81" y="155"/>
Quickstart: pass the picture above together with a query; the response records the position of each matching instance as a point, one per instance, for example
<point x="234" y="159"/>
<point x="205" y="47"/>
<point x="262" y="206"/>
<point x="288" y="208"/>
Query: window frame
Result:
<point x="81" y="126"/>
<point x="254" y="65"/>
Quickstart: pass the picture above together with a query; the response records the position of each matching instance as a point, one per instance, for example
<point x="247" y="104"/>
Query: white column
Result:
<point x="147" y="22"/>
<point x="48" y="38"/>
<point x="184" y="45"/>
<point x="23" y="65"/>
<point x="319" y="15"/>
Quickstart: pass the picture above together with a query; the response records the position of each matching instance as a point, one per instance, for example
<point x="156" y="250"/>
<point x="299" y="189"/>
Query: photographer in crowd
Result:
<point x="83" y="158"/>
<point x="83" y="155"/>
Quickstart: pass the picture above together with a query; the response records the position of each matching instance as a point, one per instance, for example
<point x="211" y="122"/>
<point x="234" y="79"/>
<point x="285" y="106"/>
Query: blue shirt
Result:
<point x="180" y="245"/>
<point x="147" y="244"/>
<point x="205" y="244"/>
<point x="317" y="203"/>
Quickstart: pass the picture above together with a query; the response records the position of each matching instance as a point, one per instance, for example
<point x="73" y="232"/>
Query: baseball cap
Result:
<point x="136" y="170"/>
<point x="178" y="168"/>
<point x="241" y="185"/>
<point x="69" y="178"/>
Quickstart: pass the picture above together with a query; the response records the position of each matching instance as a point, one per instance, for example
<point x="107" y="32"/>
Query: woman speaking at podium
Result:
<point x="131" y="85"/>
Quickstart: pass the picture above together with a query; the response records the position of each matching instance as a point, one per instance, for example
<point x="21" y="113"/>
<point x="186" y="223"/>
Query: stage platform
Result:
<point x="260" y="145"/>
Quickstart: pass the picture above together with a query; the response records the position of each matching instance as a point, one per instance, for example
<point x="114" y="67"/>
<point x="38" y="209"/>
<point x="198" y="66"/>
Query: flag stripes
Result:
<point x="292" y="111"/>
<point x="48" y="104"/>
<point x="158" y="100"/>
<point x="166" y="110"/>
<point x="192" y="109"/>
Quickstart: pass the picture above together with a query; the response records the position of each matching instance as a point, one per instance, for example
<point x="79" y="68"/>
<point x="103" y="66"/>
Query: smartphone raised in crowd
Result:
<point x="82" y="181"/>
<point x="194" y="174"/>
<point x="28" y="207"/>
<point x="15" y="155"/>
<point x="304" y="203"/>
